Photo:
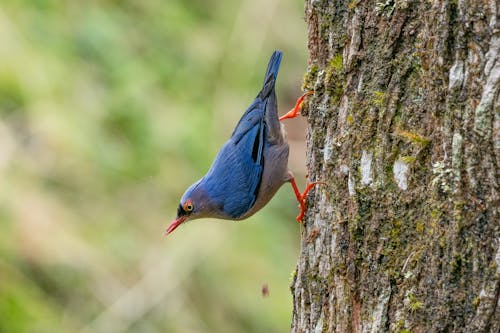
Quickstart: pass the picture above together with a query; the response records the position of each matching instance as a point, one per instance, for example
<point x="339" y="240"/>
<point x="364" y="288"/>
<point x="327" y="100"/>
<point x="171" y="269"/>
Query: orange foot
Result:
<point x="296" y="109"/>
<point x="301" y="197"/>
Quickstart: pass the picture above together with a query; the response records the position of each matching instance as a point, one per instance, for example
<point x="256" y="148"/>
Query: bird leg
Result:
<point x="296" y="109"/>
<point x="301" y="197"/>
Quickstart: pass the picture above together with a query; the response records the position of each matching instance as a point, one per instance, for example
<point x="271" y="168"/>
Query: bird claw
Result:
<point x="296" y="109"/>
<point x="301" y="197"/>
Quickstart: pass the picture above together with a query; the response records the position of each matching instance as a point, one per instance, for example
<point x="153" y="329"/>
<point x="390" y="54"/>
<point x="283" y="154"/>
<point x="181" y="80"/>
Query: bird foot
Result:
<point x="296" y="109"/>
<point x="301" y="197"/>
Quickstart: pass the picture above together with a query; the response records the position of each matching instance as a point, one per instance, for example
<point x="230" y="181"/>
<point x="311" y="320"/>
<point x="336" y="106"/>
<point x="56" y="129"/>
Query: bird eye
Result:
<point x="188" y="206"/>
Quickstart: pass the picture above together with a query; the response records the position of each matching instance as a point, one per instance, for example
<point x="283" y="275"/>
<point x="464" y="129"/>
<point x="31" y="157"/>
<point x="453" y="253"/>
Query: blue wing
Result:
<point x="234" y="178"/>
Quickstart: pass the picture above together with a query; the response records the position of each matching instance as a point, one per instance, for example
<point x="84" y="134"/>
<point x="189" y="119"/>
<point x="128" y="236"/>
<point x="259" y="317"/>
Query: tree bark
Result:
<point x="404" y="127"/>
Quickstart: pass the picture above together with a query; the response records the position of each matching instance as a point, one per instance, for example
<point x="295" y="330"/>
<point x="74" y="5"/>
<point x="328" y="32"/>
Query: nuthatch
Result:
<point x="250" y="167"/>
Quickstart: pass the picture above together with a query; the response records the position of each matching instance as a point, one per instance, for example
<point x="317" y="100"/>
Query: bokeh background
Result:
<point x="109" y="110"/>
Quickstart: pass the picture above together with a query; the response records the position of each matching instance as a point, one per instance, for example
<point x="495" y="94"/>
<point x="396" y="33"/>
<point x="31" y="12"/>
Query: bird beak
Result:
<point x="175" y="223"/>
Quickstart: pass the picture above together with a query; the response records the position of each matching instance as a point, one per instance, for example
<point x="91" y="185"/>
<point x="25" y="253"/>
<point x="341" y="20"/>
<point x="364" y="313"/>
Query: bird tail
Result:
<point x="274" y="65"/>
<point x="271" y="73"/>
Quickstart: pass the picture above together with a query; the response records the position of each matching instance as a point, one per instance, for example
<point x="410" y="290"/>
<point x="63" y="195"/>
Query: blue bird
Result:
<point x="250" y="167"/>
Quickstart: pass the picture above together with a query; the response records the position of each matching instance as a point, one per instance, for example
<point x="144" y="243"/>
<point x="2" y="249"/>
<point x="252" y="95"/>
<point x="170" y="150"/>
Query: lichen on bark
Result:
<point x="404" y="127"/>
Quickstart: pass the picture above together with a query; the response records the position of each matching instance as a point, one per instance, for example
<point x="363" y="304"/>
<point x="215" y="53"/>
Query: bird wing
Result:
<point x="234" y="178"/>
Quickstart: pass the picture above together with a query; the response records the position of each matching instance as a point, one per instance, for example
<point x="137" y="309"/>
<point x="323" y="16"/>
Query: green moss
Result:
<point x="379" y="98"/>
<point x="419" y="227"/>
<point x="395" y="249"/>
<point x="310" y="77"/>
<point x="408" y="159"/>
<point x="413" y="137"/>
<point x="400" y="324"/>
<point x="334" y="79"/>
<point x="336" y="62"/>
<point x="414" y="303"/>
<point x="435" y="214"/>
<point x="396" y="230"/>
<point x="442" y="242"/>
<point x="314" y="70"/>
<point x="353" y="4"/>
<point x="355" y="230"/>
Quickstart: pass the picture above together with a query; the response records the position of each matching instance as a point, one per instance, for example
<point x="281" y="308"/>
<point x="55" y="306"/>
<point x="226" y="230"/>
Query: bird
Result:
<point x="250" y="167"/>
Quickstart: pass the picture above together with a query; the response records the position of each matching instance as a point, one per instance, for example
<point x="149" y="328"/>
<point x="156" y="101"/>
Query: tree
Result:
<point x="404" y="127"/>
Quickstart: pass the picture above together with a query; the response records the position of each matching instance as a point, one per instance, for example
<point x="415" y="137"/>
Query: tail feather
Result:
<point x="273" y="127"/>
<point x="271" y="73"/>
<point x="274" y="65"/>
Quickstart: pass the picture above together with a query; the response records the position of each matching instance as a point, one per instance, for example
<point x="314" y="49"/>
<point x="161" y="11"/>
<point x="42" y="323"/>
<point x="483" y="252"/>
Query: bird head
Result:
<point x="194" y="204"/>
<point x="185" y="212"/>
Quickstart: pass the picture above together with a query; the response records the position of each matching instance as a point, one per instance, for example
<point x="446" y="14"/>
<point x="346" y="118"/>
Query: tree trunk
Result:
<point x="404" y="128"/>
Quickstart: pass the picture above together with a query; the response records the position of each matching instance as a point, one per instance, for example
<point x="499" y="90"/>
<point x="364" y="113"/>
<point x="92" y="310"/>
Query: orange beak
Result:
<point x="175" y="223"/>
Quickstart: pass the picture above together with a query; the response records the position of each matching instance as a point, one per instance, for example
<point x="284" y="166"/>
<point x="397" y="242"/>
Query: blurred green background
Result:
<point x="109" y="110"/>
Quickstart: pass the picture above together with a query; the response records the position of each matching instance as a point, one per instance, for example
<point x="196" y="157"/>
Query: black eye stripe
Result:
<point x="180" y="211"/>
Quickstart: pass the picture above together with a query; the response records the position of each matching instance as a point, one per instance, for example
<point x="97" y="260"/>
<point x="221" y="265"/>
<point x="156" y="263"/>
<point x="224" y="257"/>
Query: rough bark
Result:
<point x="404" y="127"/>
